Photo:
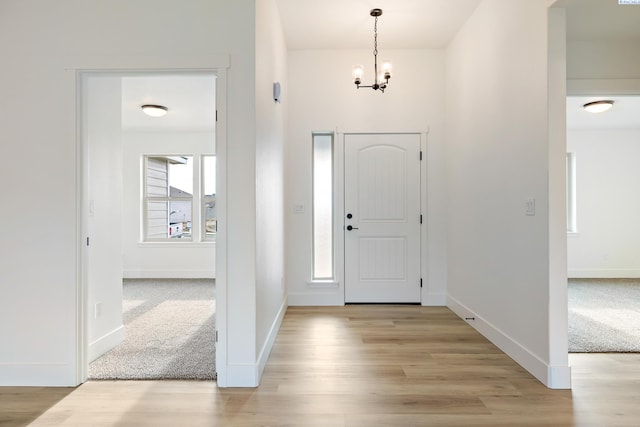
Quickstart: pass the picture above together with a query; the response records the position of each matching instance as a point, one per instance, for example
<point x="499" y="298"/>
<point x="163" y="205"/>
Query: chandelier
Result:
<point x="381" y="80"/>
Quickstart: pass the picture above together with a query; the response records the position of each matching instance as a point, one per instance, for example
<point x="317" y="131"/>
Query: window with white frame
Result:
<point x="209" y="216"/>
<point x="322" y="206"/>
<point x="174" y="187"/>
<point x="571" y="193"/>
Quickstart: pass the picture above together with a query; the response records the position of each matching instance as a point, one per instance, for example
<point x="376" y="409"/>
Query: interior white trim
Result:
<point x="263" y="357"/>
<point x="169" y="274"/>
<point x="558" y="377"/>
<point x="221" y="235"/>
<point x="31" y="374"/>
<point x="240" y="375"/>
<point x="248" y="374"/>
<point x="76" y="67"/>
<point x="434" y="300"/>
<point x="331" y="298"/>
<point x="612" y="273"/>
<point x="323" y="284"/>
<point x="148" y="64"/>
<point x="105" y="343"/>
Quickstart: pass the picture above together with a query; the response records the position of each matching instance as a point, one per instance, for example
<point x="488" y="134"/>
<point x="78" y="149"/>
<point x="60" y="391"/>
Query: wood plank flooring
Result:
<point x="357" y="366"/>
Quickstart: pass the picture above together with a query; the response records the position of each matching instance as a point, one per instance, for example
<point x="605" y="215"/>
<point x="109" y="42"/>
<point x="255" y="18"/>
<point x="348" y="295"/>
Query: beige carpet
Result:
<point x="169" y="332"/>
<point x="604" y="315"/>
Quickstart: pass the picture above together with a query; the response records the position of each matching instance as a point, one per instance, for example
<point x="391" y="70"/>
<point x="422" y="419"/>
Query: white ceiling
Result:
<point x="625" y="113"/>
<point x="405" y="24"/>
<point x="189" y="98"/>
<point x="346" y="24"/>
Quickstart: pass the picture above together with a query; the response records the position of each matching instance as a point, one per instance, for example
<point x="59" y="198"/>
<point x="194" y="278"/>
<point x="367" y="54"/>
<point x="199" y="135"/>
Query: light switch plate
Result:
<point x="530" y="206"/>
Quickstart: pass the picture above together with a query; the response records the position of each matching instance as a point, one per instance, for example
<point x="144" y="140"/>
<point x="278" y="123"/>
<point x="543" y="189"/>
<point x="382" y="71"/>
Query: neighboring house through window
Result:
<point x="172" y="184"/>
<point x="209" y="197"/>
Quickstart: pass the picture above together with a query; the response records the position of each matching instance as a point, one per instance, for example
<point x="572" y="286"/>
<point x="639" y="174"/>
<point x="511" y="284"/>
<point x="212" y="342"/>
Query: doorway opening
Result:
<point x="149" y="213"/>
<point x="602" y="242"/>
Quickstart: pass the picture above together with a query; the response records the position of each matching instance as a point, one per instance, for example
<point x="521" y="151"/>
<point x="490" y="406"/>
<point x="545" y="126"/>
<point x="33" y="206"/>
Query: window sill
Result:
<point x="176" y="245"/>
<point x="323" y="284"/>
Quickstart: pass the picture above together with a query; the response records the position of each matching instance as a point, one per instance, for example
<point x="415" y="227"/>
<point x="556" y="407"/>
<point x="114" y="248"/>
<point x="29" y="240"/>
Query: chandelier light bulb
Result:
<point x="358" y="71"/>
<point x="386" y="69"/>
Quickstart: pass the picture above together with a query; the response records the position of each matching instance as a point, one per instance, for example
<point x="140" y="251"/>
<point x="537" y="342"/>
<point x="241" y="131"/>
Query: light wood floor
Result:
<point x="357" y="366"/>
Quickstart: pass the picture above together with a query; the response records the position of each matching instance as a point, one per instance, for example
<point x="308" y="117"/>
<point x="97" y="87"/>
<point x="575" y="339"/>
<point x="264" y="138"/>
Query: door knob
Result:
<point x="349" y="227"/>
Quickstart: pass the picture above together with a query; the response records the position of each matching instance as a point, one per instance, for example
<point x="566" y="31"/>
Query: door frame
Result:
<point x="339" y="209"/>
<point x="216" y="65"/>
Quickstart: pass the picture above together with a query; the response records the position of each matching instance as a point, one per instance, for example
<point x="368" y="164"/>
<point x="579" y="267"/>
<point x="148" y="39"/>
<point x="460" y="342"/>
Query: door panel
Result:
<point x="382" y="207"/>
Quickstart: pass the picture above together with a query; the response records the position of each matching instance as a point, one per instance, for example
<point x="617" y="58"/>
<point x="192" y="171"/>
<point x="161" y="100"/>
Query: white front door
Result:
<point x="382" y="218"/>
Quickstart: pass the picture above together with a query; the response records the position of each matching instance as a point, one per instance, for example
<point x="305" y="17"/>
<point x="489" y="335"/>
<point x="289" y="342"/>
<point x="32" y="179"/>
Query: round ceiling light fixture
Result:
<point x="598" y="106"/>
<point x="154" y="110"/>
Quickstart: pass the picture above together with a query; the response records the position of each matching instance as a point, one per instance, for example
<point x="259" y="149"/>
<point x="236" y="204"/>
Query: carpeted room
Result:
<point x="169" y="332"/>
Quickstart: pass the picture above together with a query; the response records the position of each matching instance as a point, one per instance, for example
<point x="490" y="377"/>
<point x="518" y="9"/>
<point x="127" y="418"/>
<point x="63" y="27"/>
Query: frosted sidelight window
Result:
<point x="322" y="206"/>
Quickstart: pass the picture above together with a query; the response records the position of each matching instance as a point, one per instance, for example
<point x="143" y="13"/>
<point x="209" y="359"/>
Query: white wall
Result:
<point x="103" y="145"/>
<point x="153" y="259"/>
<point x="607" y="178"/>
<point x="43" y="43"/>
<point x="323" y="97"/>
<point x="604" y="59"/>
<point x="271" y="60"/>
<point x="497" y="158"/>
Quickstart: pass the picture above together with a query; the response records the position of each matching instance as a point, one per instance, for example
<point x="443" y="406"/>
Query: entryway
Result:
<point x="382" y="217"/>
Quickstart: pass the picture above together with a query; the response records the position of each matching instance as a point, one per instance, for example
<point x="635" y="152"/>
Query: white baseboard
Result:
<point x="622" y="273"/>
<point x="169" y="274"/>
<point x="271" y="337"/>
<point x="316" y="299"/>
<point x="247" y="374"/>
<point x="241" y="375"/>
<point x="559" y="377"/>
<point x="552" y="376"/>
<point x="434" y="300"/>
<point x="37" y="374"/>
<point x="105" y="343"/>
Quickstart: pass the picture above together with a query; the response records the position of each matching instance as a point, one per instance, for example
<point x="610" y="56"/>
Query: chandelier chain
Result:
<point x="375" y="51"/>
<point x="375" y="37"/>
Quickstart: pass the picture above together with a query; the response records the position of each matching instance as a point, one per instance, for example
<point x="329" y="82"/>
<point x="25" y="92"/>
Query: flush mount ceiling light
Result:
<point x="598" y="106"/>
<point x="154" y="110"/>
<point x="381" y="81"/>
